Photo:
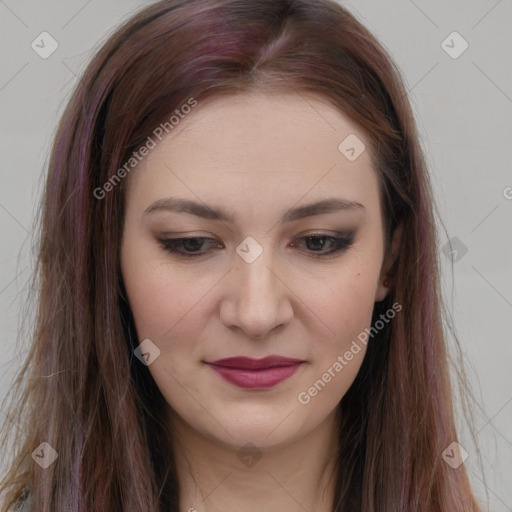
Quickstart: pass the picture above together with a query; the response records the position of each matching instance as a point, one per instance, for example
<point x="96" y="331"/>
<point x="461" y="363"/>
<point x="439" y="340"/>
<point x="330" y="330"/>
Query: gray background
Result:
<point x="463" y="107"/>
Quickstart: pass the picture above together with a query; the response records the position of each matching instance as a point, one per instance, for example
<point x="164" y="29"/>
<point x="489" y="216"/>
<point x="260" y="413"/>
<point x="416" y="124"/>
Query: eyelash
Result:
<point x="341" y="244"/>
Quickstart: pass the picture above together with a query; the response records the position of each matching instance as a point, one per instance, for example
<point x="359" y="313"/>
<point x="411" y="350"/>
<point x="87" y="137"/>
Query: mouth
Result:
<point x="249" y="373"/>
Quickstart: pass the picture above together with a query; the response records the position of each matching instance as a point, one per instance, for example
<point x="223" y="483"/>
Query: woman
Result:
<point x="239" y="293"/>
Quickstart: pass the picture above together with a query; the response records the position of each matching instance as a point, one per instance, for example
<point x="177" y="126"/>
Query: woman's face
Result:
<point x="253" y="284"/>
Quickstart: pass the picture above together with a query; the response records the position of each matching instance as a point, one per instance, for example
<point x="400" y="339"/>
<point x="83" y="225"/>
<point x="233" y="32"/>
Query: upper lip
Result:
<point x="247" y="363"/>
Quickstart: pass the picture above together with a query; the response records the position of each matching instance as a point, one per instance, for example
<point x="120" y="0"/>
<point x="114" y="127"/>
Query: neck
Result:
<point x="296" y="477"/>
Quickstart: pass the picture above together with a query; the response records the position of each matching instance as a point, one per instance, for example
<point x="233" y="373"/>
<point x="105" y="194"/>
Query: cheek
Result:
<point x="342" y="304"/>
<point x="160" y="296"/>
<point x="345" y="309"/>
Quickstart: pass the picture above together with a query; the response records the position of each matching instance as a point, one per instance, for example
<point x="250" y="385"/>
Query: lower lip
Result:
<point x="256" y="379"/>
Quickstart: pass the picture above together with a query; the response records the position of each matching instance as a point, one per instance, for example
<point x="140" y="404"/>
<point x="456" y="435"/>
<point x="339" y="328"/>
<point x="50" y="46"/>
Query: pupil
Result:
<point x="193" y="243"/>
<point x="317" y="242"/>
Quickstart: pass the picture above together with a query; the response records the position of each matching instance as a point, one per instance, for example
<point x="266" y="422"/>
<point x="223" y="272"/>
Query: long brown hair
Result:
<point x="81" y="389"/>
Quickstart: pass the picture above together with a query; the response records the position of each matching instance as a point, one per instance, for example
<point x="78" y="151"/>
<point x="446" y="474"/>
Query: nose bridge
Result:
<point x="260" y="301"/>
<point x="256" y="280"/>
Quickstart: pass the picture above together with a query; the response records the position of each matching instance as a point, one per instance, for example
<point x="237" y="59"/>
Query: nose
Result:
<point x="258" y="299"/>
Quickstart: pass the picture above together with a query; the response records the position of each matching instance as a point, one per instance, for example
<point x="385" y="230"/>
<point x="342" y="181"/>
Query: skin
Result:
<point x="257" y="155"/>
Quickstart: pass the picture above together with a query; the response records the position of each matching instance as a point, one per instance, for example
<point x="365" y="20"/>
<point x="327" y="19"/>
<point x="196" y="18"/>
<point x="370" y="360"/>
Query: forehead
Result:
<point x="258" y="145"/>
<point x="253" y="122"/>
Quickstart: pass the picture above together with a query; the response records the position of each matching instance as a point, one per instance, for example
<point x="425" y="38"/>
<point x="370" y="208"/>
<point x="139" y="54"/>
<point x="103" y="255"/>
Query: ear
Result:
<point x="386" y="278"/>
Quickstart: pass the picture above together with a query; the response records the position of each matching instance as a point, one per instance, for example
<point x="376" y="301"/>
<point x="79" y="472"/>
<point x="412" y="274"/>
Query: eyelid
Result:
<point x="342" y="241"/>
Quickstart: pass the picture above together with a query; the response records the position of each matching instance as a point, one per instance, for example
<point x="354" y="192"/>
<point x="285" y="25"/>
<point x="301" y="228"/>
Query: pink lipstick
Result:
<point x="250" y="373"/>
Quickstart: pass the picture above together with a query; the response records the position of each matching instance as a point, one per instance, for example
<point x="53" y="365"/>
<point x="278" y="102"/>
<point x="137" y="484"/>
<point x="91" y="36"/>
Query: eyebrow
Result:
<point x="330" y="205"/>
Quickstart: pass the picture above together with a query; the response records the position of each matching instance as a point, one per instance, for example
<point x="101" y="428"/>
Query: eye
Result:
<point x="187" y="247"/>
<point x="315" y="242"/>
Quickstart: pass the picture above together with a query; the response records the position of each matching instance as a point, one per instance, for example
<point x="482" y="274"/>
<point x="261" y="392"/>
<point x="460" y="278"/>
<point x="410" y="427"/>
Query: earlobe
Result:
<point x="382" y="290"/>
